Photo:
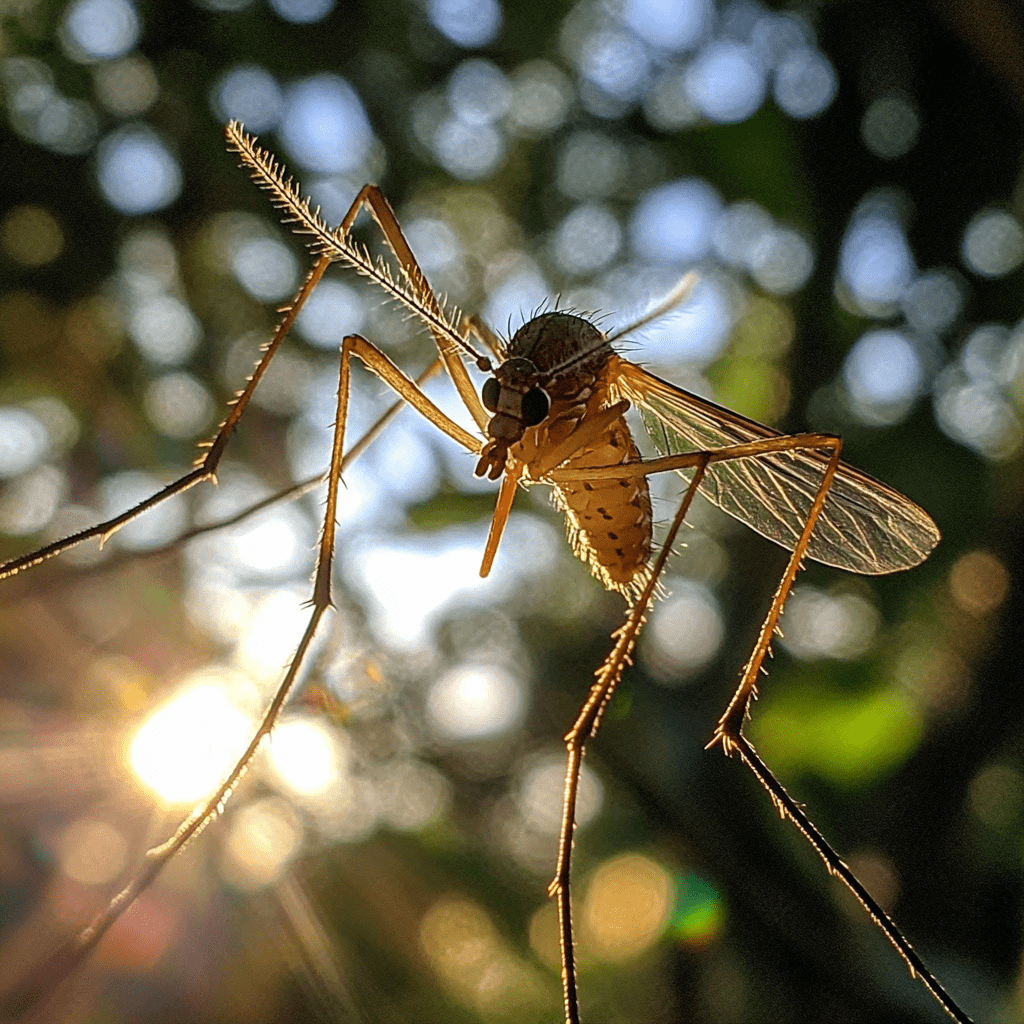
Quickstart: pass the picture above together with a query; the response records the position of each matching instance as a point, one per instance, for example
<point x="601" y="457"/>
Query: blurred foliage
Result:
<point x="909" y="757"/>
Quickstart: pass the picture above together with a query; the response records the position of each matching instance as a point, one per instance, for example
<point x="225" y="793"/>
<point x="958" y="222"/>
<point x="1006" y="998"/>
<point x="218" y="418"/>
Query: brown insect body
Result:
<point x="608" y="521"/>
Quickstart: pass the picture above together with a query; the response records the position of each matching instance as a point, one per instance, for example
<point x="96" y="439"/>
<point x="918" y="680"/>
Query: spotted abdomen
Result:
<point x="609" y="521"/>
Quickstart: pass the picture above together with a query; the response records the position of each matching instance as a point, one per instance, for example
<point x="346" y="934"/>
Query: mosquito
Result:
<point x="552" y="411"/>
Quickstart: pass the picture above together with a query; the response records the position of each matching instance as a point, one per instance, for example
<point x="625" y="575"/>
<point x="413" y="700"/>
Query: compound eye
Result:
<point x="489" y="394"/>
<point x="536" y="405"/>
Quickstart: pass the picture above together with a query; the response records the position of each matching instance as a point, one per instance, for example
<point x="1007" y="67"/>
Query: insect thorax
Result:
<point x="565" y="349"/>
<point x="608" y="521"/>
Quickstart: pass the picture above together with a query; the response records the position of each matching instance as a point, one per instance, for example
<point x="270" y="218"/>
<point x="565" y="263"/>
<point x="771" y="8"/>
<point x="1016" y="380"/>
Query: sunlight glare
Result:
<point x="186" y="747"/>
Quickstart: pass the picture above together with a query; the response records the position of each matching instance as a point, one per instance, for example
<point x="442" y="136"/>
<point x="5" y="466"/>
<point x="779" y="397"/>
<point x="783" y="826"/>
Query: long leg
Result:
<point x="206" y="467"/>
<point x="586" y="725"/>
<point x="289" y="493"/>
<point x="448" y="329"/>
<point x="729" y="730"/>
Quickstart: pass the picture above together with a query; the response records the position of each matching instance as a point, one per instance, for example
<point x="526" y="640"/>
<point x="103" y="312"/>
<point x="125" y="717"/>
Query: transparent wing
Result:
<point x="865" y="526"/>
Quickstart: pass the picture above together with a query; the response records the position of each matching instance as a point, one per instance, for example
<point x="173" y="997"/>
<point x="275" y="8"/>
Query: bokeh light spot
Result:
<point x="993" y="243"/>
<point x="476" y="964"/>
<point x="884" y="375"/>
<point x="590" y="165"/>
<point x="890" y="126"/>
<point x="158" y="525"/>
<point x="261" y="842"/>
<point x="626" y="907"/>
<point x="697" y="333"/>
<point x="782" y="261"/>
<point x="675" y="222"/>
<point x="699" y="914"/>
<point x="726" y="82"/>
<point x="616" y="62"/>
<point x="740" y="231"/>
<point x="684" y="632"/>
<point x="473" y="702"/>
<point x="479" y="92"/>
<point x="100" y="29"/>
<point x="979" y="582"/>
<point x="273" y="632"/>
<point x="976" y="414"/>
<point x="332" y="311"/>
<point x="412" y="795"/>
<point x="324" y="126"/>
<point x="266" y="268"/>
<point x="587" y="240"/>
<point x="875" y="262"/>
<point x="29" y="503"/>
<point x="92" y="852"/>
<point x="542" y="786"/>
<point x="165" y="329"/>
<point x="178" y="405"/>
<point x="302" y="12"/>
<point x="513" y="300"/>
<point x="31" y="236"/>
<point x="819" y="625"/>
<point x="805" y="83"/>
<point x="468" y="151"/>
<point x="136" y="171"/>
<point x="669" y="24"/>
<point x="249" y="94"/>
<point x="933" y="302"/>
<point x="846" y="738"/>
<point x="997" y="795"/>
<point x="468" y="23"/>
<point x="540" y="98"/>
<point x="23" y="441"/>
<point x="126" y="87"/>
<point x="668" y="105"/>
<point x="304" y="755"/>
<point x="435" y="244"/>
